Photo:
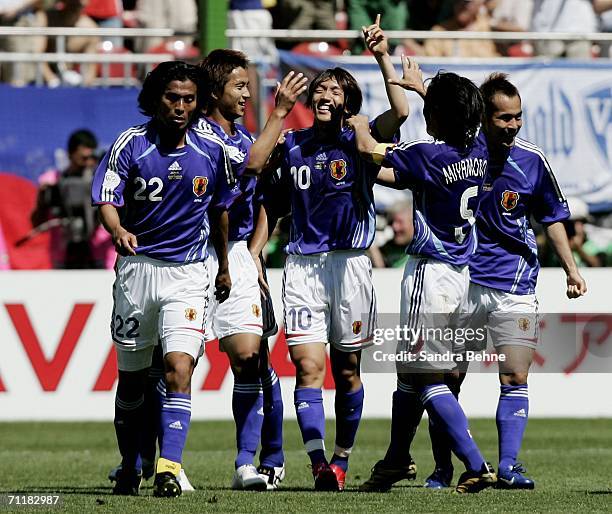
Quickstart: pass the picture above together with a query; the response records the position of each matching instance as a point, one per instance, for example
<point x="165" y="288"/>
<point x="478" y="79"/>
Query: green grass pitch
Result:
<point x="570" y="459"/>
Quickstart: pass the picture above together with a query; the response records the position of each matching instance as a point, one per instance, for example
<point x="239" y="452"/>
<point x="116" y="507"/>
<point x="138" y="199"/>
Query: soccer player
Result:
<point x="519" y="184"/>
<point x="444" y="175"/>
<point x="156" y="187"/>
<point x="328" y="296"/>
<point x="237" y="323"/>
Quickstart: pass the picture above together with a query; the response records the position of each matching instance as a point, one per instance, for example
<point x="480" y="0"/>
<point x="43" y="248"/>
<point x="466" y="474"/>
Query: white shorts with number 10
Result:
<point x="329" y="297"/>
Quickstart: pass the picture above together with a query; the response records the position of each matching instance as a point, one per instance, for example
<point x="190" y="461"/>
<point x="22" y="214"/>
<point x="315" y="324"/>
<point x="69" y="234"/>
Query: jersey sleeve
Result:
<point x="548" y="204"/>
<point x="110" y="177"/>
<point x="409" y="164"/>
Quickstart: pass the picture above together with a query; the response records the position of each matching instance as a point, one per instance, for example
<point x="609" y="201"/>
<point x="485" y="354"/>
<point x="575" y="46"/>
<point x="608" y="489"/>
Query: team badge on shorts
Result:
<point x="356" y="327"/>
<point x="256" y="310"/>
<point x="523" y="324"/>
<point x="191" y="314"/>
<point x="199" y="185"/>
<point x="509" y="199"/>
<point x="338" y="169"/>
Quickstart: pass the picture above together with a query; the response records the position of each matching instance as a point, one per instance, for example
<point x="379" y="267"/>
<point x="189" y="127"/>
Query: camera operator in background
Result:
<point x="64" y="209"/>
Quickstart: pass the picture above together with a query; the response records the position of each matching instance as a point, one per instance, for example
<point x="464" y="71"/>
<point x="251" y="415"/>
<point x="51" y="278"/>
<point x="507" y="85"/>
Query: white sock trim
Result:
<point x="314" y="444"/>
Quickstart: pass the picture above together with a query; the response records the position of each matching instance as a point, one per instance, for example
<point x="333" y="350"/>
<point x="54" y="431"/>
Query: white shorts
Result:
<point x="329" y="297"/>
<point x="241" y="312"/>
<point x="433" y="298"/>
<point x="156" y="300"/>
<point x="511" y="319"/>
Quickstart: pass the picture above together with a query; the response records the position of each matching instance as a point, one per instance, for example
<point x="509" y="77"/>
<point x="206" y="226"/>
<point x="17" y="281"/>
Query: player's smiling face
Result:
<point x="178" y="104"/>
<point x="328" y="101"/>
<point x="235" y="94"/>
<point x="506" y="120"/>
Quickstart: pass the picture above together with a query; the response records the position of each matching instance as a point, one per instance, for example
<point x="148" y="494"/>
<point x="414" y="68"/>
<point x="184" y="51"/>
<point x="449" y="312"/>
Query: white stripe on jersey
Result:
<point x="229" y="172"/>
<point x="402" y="145"/>
<point x="108" y="193"/>
<point x="530" y="147"/>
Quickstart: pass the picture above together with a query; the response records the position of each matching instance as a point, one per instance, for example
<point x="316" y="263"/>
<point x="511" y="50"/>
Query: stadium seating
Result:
<point x="316" y="48"/>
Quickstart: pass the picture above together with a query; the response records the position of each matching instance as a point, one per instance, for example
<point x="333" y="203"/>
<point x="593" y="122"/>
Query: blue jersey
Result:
<point x="444" y="183"/>
<point x="165" y="196"/>
<point x="327" y="187"/>
<point x="238" y="148"/>
<point x="524" y="185"/>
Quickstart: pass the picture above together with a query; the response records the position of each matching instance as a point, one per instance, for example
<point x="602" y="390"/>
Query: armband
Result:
<point x="379" y="152"/>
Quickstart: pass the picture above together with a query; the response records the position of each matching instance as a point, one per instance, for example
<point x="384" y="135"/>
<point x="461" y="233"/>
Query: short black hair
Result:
<point x="81" y="137"/>
<point x="494" y="84"/>
<point x="156" y="81"/>
<point x="216" y="68"/>
<point x="456" y="105"/>
<point x="352" y="92"/>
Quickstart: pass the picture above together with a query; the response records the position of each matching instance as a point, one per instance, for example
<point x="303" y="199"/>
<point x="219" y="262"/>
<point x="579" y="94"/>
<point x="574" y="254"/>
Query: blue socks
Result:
<point x="311" y="419"/>
<point x="175" y="418"/>
<point x="406" y="415"/>
<point x="511" y="417"/>
<point x="247" y="407"/>
<point x="271" y="454"/>
<point x="445" y="411"/>
<point x="348" y="406"/>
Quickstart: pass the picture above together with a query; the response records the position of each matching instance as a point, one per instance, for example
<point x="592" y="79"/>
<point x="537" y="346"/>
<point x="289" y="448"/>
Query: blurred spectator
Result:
<point x="603" y="8"/>
<point x="249" y="15"/>
<point x="392" y="254"/>
<point x="304" y="15"/>
<point x="63" y="207"/>
<point x="511" y="16"/>
<point x="180" y="15"/>
<point x="574" y="16"/>
<point x="69" y="13"/>
<point x="394" y="16"/>
<point x="422" y="15"/>
<point x="468" y="15"/>
<point x="107" y="14"/>
<point x="591" y="245"/>
<point x="21" y="13"/>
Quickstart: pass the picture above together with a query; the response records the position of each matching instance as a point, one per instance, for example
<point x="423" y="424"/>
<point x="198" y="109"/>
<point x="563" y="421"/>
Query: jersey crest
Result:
<point x="338" y="169"/>
<point x="199" y="185"/>
<point x="509" y="199"/>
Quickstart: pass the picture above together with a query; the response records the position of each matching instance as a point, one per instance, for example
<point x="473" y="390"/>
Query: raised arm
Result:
<point x="390" y="121"/>
<point x="576" y="286"/>
<point x="287" y="93"/>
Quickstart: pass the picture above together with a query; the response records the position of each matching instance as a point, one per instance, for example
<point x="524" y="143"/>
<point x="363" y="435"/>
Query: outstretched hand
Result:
<point x="288" y="91"/>
<point x="412" y="78"/>
<point x="375" y="38"/>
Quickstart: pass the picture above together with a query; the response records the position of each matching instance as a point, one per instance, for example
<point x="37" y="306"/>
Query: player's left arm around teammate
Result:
<point x="287" y="93"/>
<point x="576" y="286"/>
<point x="219" y="222"/>
<point x="370" y="149"/>
<point x="390" y="121"/>
<point x="125" y="242"/>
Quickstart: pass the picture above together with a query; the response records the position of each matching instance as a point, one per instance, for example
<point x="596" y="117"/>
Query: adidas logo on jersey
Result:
<point x="302" y="406"/>
<point x="176" y="425"/>
<point x="520" y="413"/>
<point x="175" y="166"/>
<point x="321" y="157"/>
